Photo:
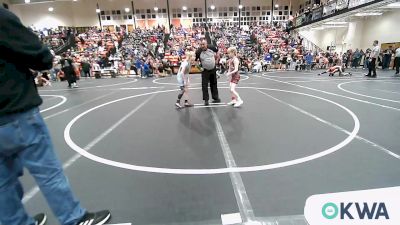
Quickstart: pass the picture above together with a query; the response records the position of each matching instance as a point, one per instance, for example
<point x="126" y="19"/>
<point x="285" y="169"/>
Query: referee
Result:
<point x="208" y="56"/>
<point x="373" y="58"/>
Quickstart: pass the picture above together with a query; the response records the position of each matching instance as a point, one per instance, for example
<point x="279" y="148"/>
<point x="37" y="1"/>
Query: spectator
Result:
<point x="356" y="59"/>
<point x="86" y="68"/>
<point x="397" y="60"/>
<point x="309" y="60"/>
<point x="25" y="140"/>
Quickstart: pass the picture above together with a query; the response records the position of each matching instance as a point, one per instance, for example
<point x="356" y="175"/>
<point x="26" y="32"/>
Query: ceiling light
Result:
<point x="27" y="1"/>
<point x="276" y="5"/>
<point x="240" y="6"/>
<point x="97" y="10"/>
<point x="127" y="10"/>
<point x="369" y="14"/>
<point x="74" y="0"/>
<point x="212" y="7"/>
<point x="51" y="9"/>
<point x="156" y="8"/>
<point x="184" y="8"/>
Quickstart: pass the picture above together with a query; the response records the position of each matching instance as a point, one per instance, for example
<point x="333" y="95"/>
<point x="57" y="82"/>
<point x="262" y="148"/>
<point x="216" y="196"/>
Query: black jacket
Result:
<point x="20" y="51"/>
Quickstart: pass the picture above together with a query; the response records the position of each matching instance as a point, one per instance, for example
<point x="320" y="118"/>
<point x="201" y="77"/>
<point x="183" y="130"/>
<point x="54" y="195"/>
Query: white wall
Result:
<point x="385" y="29"/>
<point x="352" y="39"/>
<point x="360" y="33"/>
<point x="325" y="38"/>
<point x="39" y="16"/>
<point x="82" y="12"/>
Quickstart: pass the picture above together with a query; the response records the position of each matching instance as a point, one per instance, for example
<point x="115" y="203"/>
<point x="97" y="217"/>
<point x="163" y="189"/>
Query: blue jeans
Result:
<point x="366" y="63"/>
<point x="25" y="142"/>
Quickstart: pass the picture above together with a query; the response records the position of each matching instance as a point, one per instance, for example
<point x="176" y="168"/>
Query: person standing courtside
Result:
<point x="373" y="57"/>
<point x="24" y="138"/>
<point x="69" y="72"/>
<point x="397" y="60"/>
<point x="208" y="56"/>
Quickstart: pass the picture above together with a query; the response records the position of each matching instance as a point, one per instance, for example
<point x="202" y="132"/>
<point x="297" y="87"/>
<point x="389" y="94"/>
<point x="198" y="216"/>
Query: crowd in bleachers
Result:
<point x="148" y="52"/>
<point x="159" y="51"/>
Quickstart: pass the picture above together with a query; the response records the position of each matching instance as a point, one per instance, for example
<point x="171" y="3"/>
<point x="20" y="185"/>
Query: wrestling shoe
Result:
<point x="40" y="219"/>
<point x="233" y="102"/>
<point x="178" y="105"/>
<point x="238" y="104"/>
<point x="188" y="104"/>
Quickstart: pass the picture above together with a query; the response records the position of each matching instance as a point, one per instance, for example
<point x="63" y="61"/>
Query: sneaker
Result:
<point x="178" y="105"/>
<point x="206" y="103"/>
<point x="40" y="219"/>
<point x="233" y="102"/>
<point x="97" y="218"/>
<point x="367" y="75"/>
<point x="216" y="101"/>
<point x="187" y="104"/>
<point x="238" y="104"/>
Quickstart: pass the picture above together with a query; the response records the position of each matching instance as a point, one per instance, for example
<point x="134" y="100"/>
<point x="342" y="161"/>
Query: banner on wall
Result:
<point x="300" y="20"/>
<point x="341" y="4"/>
<point x="354" y="3"/>
<point x="330" y="8"/>
<point x="317" y="13"/>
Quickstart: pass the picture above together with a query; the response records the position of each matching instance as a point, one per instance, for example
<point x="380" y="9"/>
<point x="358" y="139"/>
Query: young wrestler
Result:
<point x="233" y="74"/>
<point x="335" y="68"/>
<point x="183" y="80"/>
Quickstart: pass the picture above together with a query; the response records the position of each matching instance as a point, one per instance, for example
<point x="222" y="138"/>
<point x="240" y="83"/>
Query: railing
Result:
<point x="332" y="8"/>
<point x="67" y="45"/>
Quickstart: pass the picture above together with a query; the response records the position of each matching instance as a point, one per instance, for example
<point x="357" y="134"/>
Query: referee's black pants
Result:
<point x="372" y="68"/>
<point x="209" y="76"/>
<point x="397" y="64"/>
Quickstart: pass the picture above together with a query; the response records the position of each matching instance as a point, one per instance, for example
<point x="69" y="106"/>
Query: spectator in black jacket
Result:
<point x="68" y="70"/>
<point x="86" y="68"/>
<point x="24" y="138"/>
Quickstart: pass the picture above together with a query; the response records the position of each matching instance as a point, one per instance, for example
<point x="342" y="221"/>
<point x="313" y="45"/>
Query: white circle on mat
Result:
<point x="63" y="100"/>
<point x="91" y="87"/>
<point x="150" y="169"/>
<point x="340" y="86"/>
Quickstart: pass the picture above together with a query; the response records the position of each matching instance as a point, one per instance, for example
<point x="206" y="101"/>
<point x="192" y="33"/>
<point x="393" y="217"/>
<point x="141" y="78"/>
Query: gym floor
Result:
<point x="125" y="147"/>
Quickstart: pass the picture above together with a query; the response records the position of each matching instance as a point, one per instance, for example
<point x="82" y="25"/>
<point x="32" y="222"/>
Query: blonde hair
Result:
<point x="189" y="55"/>
<point x="232" y="50"/>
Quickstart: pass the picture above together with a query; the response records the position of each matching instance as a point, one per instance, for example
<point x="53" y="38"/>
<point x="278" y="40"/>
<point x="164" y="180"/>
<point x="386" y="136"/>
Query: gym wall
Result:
<point x="360" y="33"/>
<point x="82" y="13"/>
